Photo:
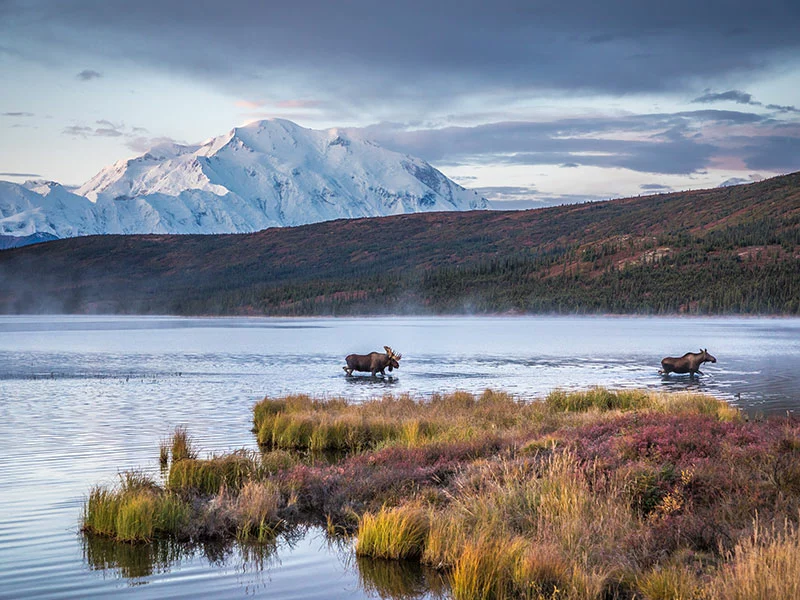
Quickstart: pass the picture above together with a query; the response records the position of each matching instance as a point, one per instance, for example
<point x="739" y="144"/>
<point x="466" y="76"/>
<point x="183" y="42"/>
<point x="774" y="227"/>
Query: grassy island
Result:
<point x="584" y="495"/>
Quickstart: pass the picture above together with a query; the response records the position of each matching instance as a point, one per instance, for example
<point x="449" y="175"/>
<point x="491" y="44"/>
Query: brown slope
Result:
<point x="132" y="270"/>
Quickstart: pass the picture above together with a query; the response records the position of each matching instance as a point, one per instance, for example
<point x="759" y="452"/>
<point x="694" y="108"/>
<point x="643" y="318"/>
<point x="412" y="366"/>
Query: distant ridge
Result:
<point x="270" y="173"/>
<point x="13" y="241"/>
<point x="718" y="251"/>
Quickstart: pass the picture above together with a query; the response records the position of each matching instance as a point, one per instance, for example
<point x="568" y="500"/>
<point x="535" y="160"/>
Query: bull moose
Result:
<point x="688" y="363"/>
<point x="374" y="362"/>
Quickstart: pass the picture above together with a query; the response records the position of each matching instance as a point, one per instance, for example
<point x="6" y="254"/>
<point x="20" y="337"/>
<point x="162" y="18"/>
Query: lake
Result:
<point x="83" y="398"/>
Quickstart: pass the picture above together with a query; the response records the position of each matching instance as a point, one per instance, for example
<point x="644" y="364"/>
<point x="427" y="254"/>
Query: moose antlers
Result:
<point x="392" y="354"/>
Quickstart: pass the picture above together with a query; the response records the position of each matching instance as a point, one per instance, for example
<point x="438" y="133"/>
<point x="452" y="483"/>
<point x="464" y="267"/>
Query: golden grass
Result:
<point x="764" y="566"/>
<point x="182" y="445"/>
<point x="208" y="476"/>
<point x="671" y="582"/>
<point x="258" y="506"/>
<point x="598" y="398"/>
<point x="396" y="533"/>
<point x="135" y="511"/>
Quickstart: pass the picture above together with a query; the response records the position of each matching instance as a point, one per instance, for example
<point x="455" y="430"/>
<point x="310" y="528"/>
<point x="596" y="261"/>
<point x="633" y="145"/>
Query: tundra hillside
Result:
<point x="731" y="250"/>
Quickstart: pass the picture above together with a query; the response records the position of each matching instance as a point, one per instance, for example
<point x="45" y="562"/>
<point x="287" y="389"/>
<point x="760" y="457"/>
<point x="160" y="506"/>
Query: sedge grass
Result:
<point x="208" y="476"/>
<point x="396" y="533"/>
<point x="134" y="513"/>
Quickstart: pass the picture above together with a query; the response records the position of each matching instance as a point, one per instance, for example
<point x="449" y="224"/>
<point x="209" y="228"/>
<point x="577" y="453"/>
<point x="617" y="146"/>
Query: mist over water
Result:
<point x="82" y="398"/>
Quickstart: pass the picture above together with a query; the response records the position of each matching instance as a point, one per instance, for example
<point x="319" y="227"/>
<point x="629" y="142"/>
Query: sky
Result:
<point x="530" y="103"/>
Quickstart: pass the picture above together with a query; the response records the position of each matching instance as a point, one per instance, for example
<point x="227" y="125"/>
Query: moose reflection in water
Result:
<point x="374" y="362"/>
<point x="688" y="363"/>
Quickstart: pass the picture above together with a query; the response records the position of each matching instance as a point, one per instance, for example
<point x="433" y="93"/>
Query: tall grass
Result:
<point x="208" y="476"/>
<point x="763" y="566"/>
<point x="182" y="445"/>
<point x="135" y="511"/>
<point x="396" y="533"/>
<point x="598" y="398"/>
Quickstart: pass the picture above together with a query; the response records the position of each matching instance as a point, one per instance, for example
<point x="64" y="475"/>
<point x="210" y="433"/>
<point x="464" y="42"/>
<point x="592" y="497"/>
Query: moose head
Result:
<point x="393" y="358"/>
<point x="706" y="357"/>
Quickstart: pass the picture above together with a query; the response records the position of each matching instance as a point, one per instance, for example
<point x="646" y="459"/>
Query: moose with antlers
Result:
<point x="374" y="362"/>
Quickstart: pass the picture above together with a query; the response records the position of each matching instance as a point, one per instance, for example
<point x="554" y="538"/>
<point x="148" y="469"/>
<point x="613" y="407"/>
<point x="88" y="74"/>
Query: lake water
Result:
<point x="83" y="398"/>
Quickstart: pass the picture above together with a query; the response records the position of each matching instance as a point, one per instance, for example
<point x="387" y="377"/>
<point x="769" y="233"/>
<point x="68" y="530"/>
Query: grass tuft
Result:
<point x="396" y="533"/>
<point x="135" y="511"/>
<point x="207" y="476"/>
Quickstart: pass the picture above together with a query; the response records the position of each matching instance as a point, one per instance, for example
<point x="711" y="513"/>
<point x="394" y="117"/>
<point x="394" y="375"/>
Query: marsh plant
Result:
<point x="584" y="495"/>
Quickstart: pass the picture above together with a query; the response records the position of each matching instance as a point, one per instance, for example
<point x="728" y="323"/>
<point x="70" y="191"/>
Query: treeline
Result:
<point x="695" y="277"/>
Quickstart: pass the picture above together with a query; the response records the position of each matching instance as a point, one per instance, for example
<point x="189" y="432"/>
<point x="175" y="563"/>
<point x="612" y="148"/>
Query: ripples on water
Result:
<point x="82" y="398"/>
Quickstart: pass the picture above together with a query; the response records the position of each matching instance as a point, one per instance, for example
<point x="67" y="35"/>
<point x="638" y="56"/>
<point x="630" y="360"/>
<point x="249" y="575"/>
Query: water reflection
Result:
<point x="137" y="561"/>
<point x="140" y="564"/>
<point x="132" y="561"/>
<point x="376" y="382"/>
<point x="399" y="579"/>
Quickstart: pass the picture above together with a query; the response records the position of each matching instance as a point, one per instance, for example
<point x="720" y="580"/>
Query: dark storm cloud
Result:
<point x="88" y="75"/>
<point x="774" y="153"/>
<point x="419" y="50"/>
<point x="667" y="143"/>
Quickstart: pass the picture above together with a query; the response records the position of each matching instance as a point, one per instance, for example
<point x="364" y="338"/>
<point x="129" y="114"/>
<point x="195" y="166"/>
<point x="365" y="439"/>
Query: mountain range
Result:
<point x="270" y="173"/>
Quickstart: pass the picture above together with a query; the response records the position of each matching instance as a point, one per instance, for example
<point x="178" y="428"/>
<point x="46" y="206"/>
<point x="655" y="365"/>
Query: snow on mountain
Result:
<point x="266" y="174"/>
<point x="44" y="207"/>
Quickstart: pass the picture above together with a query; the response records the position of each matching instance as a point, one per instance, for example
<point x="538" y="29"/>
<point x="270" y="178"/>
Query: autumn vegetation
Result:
<point x="583" y="495"/>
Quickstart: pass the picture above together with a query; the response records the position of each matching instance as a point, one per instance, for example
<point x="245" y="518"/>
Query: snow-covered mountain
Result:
<point x="266" y="174"/>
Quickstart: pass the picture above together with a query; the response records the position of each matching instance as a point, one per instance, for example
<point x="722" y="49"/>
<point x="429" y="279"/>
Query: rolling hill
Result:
<point x="726" y="250"/>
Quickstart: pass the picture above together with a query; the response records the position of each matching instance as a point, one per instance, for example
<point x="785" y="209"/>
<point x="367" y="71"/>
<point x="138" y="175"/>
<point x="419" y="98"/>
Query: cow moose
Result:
<point x="688" y="363"/>
<point x="374" y="362"/>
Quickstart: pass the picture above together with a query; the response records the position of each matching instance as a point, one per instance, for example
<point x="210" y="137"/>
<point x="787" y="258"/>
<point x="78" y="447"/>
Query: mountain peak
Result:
<point x="267" y="173"/>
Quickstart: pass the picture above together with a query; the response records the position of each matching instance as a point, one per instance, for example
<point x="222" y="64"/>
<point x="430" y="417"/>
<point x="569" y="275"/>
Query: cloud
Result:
<point x="300" y="104"/>
<point x="360" y="53"/>
<point x="250" y="104"/>
<point x="524" y="198"/>
<point x="108" y="129"/>
<point x="655" y="187"/>
<point x="77" y="130"/>
<point x="731" y="95"/>
<point x="680" y="143"/>
<point x="741" y="98"/>
<point x="773" y="153"/>
<point x="88" y="75"/>
<point x="18" y="114"/>
<point x="20" y="175"/>
<point x="143" y="143"/>
<point x="784" y="109"/>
